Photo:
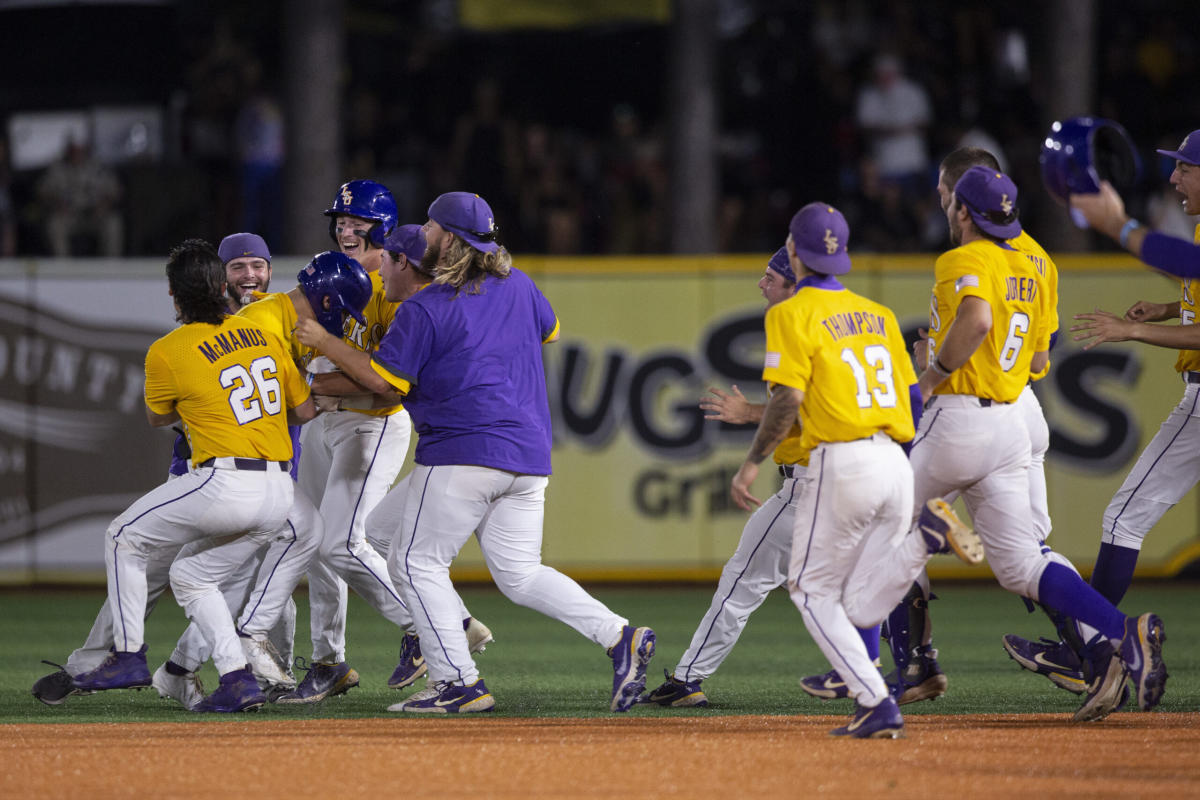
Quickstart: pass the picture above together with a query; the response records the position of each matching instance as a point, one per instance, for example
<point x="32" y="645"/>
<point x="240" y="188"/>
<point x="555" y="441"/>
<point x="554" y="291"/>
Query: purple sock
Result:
<point x="1114" y="571"/>
<point x="1065" y="592"/>
<point x="870" y="637"/>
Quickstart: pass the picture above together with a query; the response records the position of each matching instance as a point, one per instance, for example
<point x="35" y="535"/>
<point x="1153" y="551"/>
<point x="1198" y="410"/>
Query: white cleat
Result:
<point x="479" y="636"/>
<point x="186" y="689"/>
<point x="264" y="662"/>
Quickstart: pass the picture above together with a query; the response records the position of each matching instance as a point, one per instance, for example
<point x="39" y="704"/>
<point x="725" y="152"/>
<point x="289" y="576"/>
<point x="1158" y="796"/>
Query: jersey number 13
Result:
<point x="878" y="359"/>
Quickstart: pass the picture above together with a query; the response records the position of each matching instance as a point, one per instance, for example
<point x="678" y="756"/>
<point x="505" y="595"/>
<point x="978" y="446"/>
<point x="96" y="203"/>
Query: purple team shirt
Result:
<point x="474" y="362"/>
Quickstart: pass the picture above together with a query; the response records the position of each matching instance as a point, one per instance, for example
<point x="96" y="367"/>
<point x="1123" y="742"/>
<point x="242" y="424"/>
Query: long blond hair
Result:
<point x="464" y="267"/>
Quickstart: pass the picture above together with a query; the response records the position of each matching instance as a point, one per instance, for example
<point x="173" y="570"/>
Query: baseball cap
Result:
<point x="991" y="200"/>
<point x="469" y="216"/>
<point x="1188" y="152"/>
<point x="782" y="264"/>
<point x="243" y="245"/>
<point x="407" y="239"/>
<point x="819" y="234"/>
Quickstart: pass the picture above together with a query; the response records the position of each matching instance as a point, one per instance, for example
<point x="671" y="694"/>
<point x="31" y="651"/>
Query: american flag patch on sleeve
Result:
<point x="771" y="360"/>
<point x="966" y="280"/>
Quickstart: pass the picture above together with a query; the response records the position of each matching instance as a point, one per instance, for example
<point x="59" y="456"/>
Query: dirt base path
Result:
<point x="1128" y="755"/>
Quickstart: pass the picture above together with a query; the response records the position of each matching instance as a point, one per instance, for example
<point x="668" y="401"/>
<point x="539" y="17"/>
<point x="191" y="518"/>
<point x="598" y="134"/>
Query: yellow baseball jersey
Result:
<point x="846" y="353"/>
<point x="232" y="385"/>
<point x="379" y="314"/>
<point x="275" y="313"/>
<point x="1009" y="280"/>
<point x="1188" y="360"/>
<point x="1048" y="272"/>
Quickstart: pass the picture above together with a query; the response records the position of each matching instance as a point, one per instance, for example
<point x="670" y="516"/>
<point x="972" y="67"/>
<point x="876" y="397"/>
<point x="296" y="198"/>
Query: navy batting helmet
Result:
<point x="368" y="200"/>
<point x="343" y="281"/>
<point x="1080" y="152"/>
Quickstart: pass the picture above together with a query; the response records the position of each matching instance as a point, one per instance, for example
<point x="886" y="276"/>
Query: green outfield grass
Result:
<point x="538" y="667"/>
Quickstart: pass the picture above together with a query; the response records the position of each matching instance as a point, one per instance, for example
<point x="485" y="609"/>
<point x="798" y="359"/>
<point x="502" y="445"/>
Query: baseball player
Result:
<point x="349" y="460"/>
<point x="247" y="263"/>
<point x="836" y="362"/>
<point x="759" y="564"/>
<point x="232" y="386"/>
<point x="909" y="628"/>
<point x="1167" y="469"/>
<point x="483" y="452"/>
<point x="989" y="330"/>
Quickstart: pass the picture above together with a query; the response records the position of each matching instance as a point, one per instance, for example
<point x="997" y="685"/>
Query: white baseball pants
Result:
<point x="1165" y="471"/>
<point x="237" y="509"/>
<point x="854" y="510"/>
<point x="444" y="505"/>
<point x="758" y="565"/>
<point x="348" y="462"/>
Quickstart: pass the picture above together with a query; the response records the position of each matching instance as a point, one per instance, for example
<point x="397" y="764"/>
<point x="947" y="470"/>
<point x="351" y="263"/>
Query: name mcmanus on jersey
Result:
<point x="225" y="343"/>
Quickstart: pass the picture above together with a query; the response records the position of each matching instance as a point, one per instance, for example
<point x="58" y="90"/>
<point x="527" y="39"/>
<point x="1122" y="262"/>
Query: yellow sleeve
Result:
<point x="160" y="390"/>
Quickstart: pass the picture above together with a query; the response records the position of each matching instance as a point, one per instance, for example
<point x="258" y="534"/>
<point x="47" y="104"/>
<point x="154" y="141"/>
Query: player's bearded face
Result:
<point x="955" y="224"/>
<point x="246" y="275"/>
<point x="434" y="234"/>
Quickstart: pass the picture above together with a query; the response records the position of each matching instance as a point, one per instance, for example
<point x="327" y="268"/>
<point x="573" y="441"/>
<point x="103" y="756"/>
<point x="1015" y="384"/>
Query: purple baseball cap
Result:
<point x="819" y="234"/>
<point x="243" y="245"/>
<point x="782" y="264"/>
<point x="469" y="216"/>
<point x="407" y="239"/>
<point x="991" y="200"/>
<point x="1188" y="152"/>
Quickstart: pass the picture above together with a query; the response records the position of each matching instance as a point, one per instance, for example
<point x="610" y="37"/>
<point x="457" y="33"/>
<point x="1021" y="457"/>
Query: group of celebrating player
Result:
<point x="433" y="316"/>
<point x="435" y="322"/>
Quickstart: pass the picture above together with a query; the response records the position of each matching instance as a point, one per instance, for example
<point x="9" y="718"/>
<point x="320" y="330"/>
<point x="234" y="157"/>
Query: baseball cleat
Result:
<point x="451" y="698"/>
<point x="412" y="664"/>
<point x="944" y="532"/>
<point x="238" y="692"/>
<point x="1056" y="660"/>
<point x="120" y="670"/>
<point x="1141" y="652"/>
<point x="1107" y="689"/>
<point x="323" y="680"/>
<point x="921" y="679"/>
<point x="630" y="655"/>
<point x="55" y="688"/>
<point x="266" y="663"/>
<point x="675" y="693"/>
<point x="430" y="690"/>
<point x="879" y="722"/>
<point x="186" y="689"/>
<point x="829" y="686"/>
<point x="479" y="636"/>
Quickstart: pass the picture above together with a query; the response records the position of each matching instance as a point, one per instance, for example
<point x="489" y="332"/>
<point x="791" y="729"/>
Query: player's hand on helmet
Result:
<point x="1097" y="327"/>
<point x="740" y="488"/>
<point x="1104" y="210"/>
<point x="733" y="408"/>
<point x="1144" y="311"/>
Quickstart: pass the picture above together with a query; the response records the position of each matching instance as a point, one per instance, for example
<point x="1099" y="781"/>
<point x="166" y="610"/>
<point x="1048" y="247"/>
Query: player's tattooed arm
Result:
<point x="777" y="419"/>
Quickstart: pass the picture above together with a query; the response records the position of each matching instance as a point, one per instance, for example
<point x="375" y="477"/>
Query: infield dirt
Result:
<point x="1129" y="755"/>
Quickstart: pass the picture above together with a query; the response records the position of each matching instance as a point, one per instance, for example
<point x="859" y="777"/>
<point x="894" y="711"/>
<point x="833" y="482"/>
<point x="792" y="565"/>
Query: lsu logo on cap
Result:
<point x="831" y="242"/>
<point x="1005" y="204"/>
<point x="347" y="196"/>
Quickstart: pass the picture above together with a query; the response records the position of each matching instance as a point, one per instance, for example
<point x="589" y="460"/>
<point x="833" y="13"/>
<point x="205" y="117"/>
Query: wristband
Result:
<point x="1126" y="229"/>
<point x="937" y="366"/>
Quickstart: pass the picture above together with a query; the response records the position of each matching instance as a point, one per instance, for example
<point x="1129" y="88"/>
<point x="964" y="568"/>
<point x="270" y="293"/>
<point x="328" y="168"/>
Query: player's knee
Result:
<point x="1019" y="578"/>
<point x="187" y="583"/>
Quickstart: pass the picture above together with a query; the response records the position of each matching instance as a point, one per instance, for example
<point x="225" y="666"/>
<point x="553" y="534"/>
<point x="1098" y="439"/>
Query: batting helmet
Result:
<point x="1080" y="152"/>
<point x="368" y="200"/>
<point x="341" y="280"/>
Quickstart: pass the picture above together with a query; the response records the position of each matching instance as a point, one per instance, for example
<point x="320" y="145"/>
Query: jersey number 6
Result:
<point x="259" y="380"/>
<point x="1018" y="326"/>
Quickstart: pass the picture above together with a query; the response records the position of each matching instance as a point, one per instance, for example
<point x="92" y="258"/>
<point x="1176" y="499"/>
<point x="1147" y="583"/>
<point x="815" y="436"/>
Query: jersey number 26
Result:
<point x="255" y="392"/>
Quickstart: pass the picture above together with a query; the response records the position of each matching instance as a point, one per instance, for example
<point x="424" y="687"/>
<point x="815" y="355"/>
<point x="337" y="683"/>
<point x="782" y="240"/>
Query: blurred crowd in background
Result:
<point x="564" y="132"/>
